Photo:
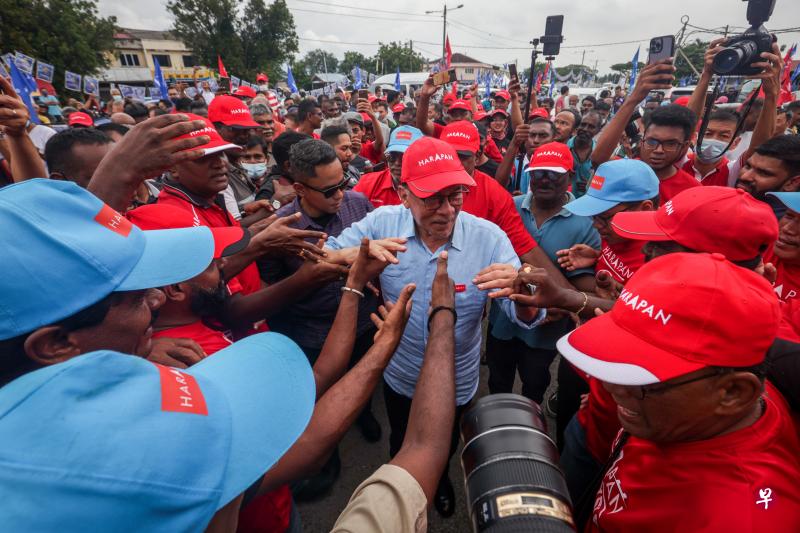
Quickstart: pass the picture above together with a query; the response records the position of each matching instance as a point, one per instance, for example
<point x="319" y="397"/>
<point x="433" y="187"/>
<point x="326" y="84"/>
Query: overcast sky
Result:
<point x="505" y="26"/>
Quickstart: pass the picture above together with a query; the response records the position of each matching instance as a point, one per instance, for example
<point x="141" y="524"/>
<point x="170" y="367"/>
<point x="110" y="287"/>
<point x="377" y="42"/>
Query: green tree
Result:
<point x="210" y="28"/>
<point x="625" y="68"/>
<point x="268" y="38"/>
<point x="393" y="55"/>
<point x="65" y="33"/>
<point x="695" y="52"/>
<point x="312" y="63"/>
<point x="351" y="59"/>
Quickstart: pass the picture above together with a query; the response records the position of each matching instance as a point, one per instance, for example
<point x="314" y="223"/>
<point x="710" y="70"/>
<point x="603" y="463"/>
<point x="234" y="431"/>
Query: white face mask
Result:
<point x="254" y="170"/>
<point x="711" y="150"/>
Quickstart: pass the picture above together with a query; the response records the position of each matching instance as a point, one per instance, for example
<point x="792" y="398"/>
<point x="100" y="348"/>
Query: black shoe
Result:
<point x="445" y="498"/>
<point x="369" y="426"/>
<point x="317" y="486"/>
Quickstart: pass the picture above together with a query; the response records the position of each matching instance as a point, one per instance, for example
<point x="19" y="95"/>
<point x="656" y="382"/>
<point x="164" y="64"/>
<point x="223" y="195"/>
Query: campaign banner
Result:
<point x="72" y="81"/>
<point x="24" y="62"/>
<point x="235" y="83"/>
<point x="7" y="58"/>
<point x="139" y="93"/>
<point x="91" y="86"/>
<point x="155" y="93"/>
<point x="190" y="92"/>
<point x="126" y="91"/>
<point x="45" y="71"/>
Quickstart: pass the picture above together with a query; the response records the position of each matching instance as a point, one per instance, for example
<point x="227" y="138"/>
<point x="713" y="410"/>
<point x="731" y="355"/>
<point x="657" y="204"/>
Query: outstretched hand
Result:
<point x="366" y="266"/>
<point x="443" y="291"/>
<point x="577" y="256"/>
<point x="391" y="318"/>
<point x="279" y="239"/>
<point x="13" y="113"/>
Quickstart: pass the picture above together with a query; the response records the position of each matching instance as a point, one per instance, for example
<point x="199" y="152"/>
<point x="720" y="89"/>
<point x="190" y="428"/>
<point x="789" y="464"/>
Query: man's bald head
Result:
<point x="123" y="118"/>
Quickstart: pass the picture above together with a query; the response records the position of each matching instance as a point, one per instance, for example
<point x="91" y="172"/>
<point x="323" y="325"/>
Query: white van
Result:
<point x="409" y="82"/>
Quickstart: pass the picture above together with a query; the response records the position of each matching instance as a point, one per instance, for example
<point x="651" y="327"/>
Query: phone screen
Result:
<point x="363" y="94"/>
<point x="442" y="77"/>
<point x="661" y="48"/>
<point x="512" y="70"/>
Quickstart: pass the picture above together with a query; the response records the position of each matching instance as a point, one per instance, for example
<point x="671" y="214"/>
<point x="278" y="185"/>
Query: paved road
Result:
<point x="360" y="459"/>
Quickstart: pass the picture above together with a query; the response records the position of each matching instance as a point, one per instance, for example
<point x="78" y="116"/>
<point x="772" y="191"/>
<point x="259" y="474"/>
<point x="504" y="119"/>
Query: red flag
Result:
<point x="448" y="52"/>
<point x="454" y="90"/>
<point x="222" y="72"/>
<point x="538" y="82"/>
<point x="786" y="94"/>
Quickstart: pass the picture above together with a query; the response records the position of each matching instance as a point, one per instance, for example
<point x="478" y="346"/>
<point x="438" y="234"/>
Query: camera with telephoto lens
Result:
<point x="513" y="480"/>
<point x="741" y="51"/>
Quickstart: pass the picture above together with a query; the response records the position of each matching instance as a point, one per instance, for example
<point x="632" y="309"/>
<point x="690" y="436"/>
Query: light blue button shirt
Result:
<point x="475" y="244"/>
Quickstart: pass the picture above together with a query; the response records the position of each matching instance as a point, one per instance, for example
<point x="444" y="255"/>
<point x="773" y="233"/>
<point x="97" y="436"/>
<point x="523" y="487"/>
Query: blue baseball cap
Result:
<point x="613" y="183"/>
<point x="113" y="442"/>
<point x="789" y="199"/>
<point x="402" y="137"/>
<point x="63" y="250"/>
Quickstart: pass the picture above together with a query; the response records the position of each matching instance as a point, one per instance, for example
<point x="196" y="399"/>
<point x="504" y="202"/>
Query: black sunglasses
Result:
<point x="330" y="191"/>
<point x="539" y="174"/>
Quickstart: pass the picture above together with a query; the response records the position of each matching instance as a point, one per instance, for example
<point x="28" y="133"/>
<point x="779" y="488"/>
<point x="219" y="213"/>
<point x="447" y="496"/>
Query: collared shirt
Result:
<point x="474" y="245"/>
<point x="558" y="232"/>
<point x="724" y="174"/>
<point x="308" y="320"/>
<point x="210" y="214"/>
<point x="244" y="190"/>
<point x="378" y="188"/>
<point x="583" y="169"/>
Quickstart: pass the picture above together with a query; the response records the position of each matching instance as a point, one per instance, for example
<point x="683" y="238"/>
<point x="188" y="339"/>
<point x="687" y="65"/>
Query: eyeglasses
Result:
<point x="668" y="146"/>
<point x="455" y="199"/>
<point x="644" y="390"/>
<point x="552" y="176"/>
<point x="330" y="191"/>
<point x="606" y="219"/>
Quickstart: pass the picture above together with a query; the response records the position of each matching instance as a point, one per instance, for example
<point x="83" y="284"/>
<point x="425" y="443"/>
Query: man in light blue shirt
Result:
<point x="433" y="185"/>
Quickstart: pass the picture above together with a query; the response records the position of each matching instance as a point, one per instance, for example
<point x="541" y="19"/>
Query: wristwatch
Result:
<point x="275" y="204"/>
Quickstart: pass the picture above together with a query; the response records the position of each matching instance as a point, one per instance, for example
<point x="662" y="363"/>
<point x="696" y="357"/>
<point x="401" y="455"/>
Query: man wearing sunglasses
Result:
<point x="706" y="443"/>
<point x="433" y="189"/>
<point x="325" y="205"/>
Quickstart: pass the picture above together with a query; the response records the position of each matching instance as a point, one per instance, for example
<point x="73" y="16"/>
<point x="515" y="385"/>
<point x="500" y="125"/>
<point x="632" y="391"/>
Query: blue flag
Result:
<point x="397" y="80"/>
<point x="290" y="79"/>
<point x="357" y="84"/>
<point x="796" y="73"/>
<point x="552" y="80"/>
<point x="24" y="85"/>
<point x="634" y="71"/>
<point x="158" y="79"/>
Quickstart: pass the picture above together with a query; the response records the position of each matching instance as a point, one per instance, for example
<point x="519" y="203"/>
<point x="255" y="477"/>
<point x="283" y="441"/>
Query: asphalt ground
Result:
<point x="360" y="459"/>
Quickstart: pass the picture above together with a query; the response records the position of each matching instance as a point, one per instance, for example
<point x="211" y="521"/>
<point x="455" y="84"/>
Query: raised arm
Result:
<point x="427" y="90"/>
<point x="363" y="106"/>
<point x="427" y="442"/>
<point x="771" y="84"/>
<point x="698" y="99"/>
<point x="659" y="75"/>
<point x="516" y="113"/>
<point x="24" y="160"/>
<point x="507" y="167"/>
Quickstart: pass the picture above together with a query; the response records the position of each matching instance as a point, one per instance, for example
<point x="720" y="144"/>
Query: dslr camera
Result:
<point x="741" y="51"/>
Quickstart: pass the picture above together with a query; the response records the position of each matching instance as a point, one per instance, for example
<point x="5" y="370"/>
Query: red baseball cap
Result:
<point x="682" y="101"/>
<point x="398" y="108"/>
<point x="79" y="118"/>
<point x="706" y="219"/>
<point x="539" y="112"/>
<point x="499" y="112"/>
<point x="462" y="135"/>
<point x="230" y="111"/>
<point x="431" y="165"/>
<point x="552" y="156"/>
<point x="505" y="95"/>
<point x="245" y="91"/>
<point x="679" y="313"/>
<point x="216" y="144"/>
<point x="448" y="98"/>
<point x="228" y="240"/>
<point x="479" y="115"/>
<point x="459" y="104"/>
<point x="371" y="98"/>
<point x="262" y="77"/>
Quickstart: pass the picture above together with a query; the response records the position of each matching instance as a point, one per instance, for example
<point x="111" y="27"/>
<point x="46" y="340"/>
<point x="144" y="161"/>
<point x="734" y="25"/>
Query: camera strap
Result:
<point x="707" y="112"/>
<point x="585" y="504"/>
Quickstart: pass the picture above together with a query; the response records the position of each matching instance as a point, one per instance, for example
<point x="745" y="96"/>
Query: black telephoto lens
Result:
<point x="513" y="480"/>
<point x="734" y="57"/>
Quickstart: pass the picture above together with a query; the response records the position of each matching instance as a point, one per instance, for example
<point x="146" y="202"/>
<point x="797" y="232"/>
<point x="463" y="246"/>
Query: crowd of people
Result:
<point x="202" y="296"/>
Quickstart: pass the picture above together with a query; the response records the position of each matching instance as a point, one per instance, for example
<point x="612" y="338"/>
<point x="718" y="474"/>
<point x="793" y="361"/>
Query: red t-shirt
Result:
<point x="378" y="188"/>
<point x="742" y="481"/>
<point x="787" y="283"/>
<point x="368" y="150"/>
<point x="621" y="260"/>
<point x="723" y="174"/>
<point x="491" y="150"/>
<point x="680" y="181"/>
<point x="599" y="420"/>
<point x="210" y="340"/>
<point x="487" y="200"/>
<point x="212" y="215"/>
<point x="789" y="328"/>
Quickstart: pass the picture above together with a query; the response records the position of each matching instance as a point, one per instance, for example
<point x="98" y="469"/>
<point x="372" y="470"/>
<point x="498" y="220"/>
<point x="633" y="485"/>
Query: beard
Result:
<point x="209" y="303"/>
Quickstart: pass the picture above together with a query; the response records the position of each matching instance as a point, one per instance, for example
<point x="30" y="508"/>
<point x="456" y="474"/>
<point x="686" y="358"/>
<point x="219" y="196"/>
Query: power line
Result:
<point x="459" y="23"/>
<point x="371" y="9"/>
<point x="357" y="15"/>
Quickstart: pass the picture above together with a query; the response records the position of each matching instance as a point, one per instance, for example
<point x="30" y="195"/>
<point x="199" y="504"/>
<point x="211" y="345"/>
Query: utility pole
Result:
<point x="444" y="25"/>
<point x="583" y="56"/>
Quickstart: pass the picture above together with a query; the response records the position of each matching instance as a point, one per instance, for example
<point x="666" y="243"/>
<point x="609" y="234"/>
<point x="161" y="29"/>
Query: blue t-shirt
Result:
<point x="557" y="233"/>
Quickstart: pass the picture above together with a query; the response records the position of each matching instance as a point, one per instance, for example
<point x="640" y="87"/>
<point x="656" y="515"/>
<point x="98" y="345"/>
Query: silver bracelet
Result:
<point x="354" y="291"/>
